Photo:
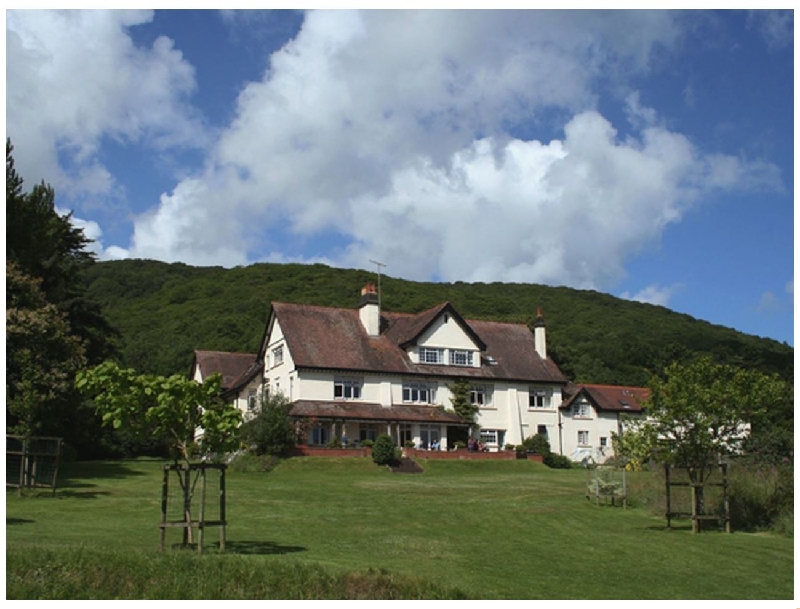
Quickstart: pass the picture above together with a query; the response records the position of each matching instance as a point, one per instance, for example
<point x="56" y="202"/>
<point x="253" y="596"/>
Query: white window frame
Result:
<point x="492" y="437"/>
<point x="581" y="410"/>
<point x="348" y="387"/>
<point x="539" y="397"/>
<point x="431" y="355"/>
<point x="428" y="434"/>
<point x="481" y="395"/>
<point x="416" y="392"/>
<point x="583" y="437"/>
<point x="460" y="357"/>
<point x="252" y="399"/>
<point x="277" y="356"/>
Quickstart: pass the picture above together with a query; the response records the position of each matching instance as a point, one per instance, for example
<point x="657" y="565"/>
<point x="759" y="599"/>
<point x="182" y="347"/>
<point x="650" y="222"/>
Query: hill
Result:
<point x="165" y="311"/>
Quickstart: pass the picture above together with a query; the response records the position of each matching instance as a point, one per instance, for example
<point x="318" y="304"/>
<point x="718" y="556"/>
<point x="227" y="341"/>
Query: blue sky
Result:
<point x="646" y="154"/>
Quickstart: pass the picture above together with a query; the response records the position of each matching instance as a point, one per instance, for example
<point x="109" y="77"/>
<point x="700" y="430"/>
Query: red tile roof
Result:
<point x="236" y="368"/>
<point x="366" y="411"/>
<point x="334" y="339"/>
<point x="611" y="397"/>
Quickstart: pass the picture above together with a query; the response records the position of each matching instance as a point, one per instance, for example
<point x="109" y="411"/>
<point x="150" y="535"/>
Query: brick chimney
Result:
<point x="539" y="338"/>
<point x="370" y="311"/>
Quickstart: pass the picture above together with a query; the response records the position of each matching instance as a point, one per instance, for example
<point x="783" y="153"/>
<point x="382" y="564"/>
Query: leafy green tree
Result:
<point x="271" y="431"/>
<point x="171" y="408"/>
<point x="700" y="411"/>
<point x="460" y="399"/>
<point x="42" y="357"/>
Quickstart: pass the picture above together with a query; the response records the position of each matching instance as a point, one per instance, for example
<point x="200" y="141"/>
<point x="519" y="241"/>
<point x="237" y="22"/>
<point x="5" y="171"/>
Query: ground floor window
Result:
<point x="603" y="442"/>
<point x="583" y="438"/>
<point x="320" y="435"/>
<point x="367" y="431"/>
<point x="251" y="399"/>
<point x="430" y="436"/>
<point x="541" y="430"/>
<point x="493" y="437"/>
<point x="406" y="433"/>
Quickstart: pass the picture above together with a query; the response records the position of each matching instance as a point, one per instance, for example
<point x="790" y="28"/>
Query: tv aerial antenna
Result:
<point x="380" y="265"/>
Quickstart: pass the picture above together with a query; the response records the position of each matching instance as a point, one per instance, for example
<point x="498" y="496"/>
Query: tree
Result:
<point x="384" y="451"/>
<point x="170" y="408"/>
<point x="271" y="431"/>
<point x="42" y="359"/>
<point x="702" y="410"/>
<point x="461" y="400"/>
<point x="52" y="328"/>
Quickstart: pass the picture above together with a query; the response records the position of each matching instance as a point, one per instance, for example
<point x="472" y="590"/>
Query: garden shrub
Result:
<point x="367" y="443"/>
<point x="557" y="461"/>
<point x="383" y="451"/>
<point x="271" y="431"/>
<point x="538" y="444"/>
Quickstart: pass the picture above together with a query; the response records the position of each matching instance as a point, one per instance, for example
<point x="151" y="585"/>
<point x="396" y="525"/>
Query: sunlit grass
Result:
<point x="483" y="529"/>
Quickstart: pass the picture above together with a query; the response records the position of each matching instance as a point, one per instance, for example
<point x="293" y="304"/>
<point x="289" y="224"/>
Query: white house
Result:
<point x="362" y="372"/>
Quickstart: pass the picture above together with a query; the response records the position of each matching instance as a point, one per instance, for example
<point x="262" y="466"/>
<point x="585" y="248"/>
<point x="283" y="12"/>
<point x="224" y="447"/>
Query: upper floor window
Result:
<point x="538" y="397"/>
<point x="252" y="398"/>
<point x="581" y="409"/>
<point x="347" y="388"/>
<point x="419" y="393"/>
<point x="481" y="395"/>
<point x="583" y="438"/>
<point x="460" y="357"/>
<point x="428" y="355"/>
<point x="277" y="356"/>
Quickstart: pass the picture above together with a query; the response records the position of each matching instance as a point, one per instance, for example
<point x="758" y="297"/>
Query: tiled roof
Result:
<point x="611" y="397"/>
<point x="235" y="368"/>
<point x="334" y="339"/>
<point x="373" y="412"/>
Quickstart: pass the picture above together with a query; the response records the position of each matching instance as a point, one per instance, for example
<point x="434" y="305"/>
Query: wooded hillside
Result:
<point x="165" y="311"/>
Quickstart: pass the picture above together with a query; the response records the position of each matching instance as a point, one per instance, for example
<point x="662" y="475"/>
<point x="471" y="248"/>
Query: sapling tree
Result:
<point x="701" y="411"/>
<point x="172" y="409"/>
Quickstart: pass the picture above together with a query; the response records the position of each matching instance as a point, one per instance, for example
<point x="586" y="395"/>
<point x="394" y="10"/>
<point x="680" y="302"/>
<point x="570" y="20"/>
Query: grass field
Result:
<point x="502" y="530"/>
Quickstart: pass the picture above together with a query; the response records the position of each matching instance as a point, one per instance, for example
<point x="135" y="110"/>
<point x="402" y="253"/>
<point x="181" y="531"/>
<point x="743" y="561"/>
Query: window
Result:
<point x="419" y="393"/>
<point x="431" y="356"/>
<point x="480" y="395"/>
<point x="460" y="357"/>
<point x="493" y="437"/>
<point x="583" y="438"/>
<point x="603" y="442"/>
<point x="251" y="399"/>
<point x="367" y="431"/>
<point x="320" y="436"/>
<point x="429" y="435"/>
<point x="347" y="388"/>
<point x="277" y="356"/>
<point x="538" y="397"/>
<point x="405" y="434"/>
<point x="581" y="409"/>
<point x="541" y="430"/>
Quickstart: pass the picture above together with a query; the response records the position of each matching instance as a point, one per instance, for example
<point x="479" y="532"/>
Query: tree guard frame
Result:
<point x="187" y="523"/>
<point x="694" y="515"/>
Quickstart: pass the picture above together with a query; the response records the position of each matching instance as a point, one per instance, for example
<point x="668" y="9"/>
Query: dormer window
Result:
<point x="460" y="357"/>
<point x="428" y="355"/>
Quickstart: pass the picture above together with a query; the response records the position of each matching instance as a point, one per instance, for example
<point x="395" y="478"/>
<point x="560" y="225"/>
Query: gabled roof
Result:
<point x="613" y="398"/>
<point x="406" y="332"/>
<point x="237" y="369"/>
<point x="334" y="339"/>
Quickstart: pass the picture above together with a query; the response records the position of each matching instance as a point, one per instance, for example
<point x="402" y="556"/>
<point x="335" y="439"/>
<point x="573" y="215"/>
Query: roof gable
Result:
<point x="423" y="322"/>
<point x="237" y="369"/>
<point x="611" y="398"/>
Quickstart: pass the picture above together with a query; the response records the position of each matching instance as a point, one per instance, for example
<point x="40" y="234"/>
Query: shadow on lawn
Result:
<point x="10" y="521"/>
<point x="259" y="547"/>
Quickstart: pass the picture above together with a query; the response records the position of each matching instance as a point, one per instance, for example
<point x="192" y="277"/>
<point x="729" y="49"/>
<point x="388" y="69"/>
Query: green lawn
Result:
<point x="512" y="530"/>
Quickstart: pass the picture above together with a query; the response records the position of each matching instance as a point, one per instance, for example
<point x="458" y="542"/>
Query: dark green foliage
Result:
<point x="383" y="451"/>
<point x="460" y="399"/>
<point x="271" y="431"/>
<point x="165" y="311"/>
<point x="538" y="444"/>
<point x="557" y="461"/>
<point x="367" y="443"/>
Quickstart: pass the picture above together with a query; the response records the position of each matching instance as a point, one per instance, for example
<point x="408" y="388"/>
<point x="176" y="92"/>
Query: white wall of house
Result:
<point x="279" y="371"/>
<point x="590" y="431"/>
<point x="445" y="333"/>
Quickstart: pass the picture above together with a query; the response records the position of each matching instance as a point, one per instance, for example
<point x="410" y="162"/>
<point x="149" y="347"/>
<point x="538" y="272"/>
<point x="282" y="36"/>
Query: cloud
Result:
<point x="654" y="294"/>
<point x="75" y="80"/>
<point x="397" y="135"/>
<point x="775" y="26"/>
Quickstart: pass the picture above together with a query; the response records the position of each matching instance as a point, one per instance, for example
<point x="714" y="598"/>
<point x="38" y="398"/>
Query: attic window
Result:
<point x="431" y="356"/>
<point x="460" y="357"/>
<point x="446" y="318"/>
<point x="624" y="404"/>
<point x="491" y="360"/>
